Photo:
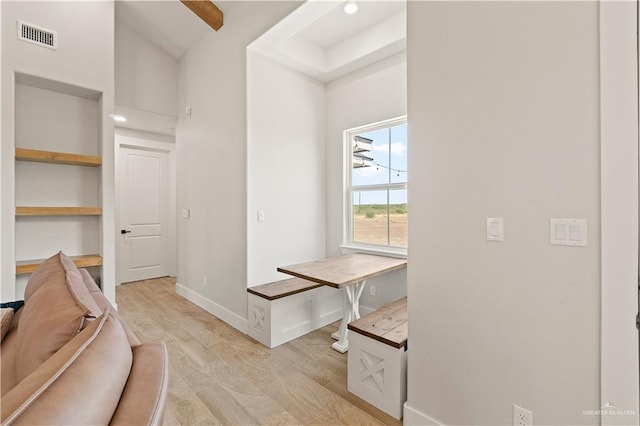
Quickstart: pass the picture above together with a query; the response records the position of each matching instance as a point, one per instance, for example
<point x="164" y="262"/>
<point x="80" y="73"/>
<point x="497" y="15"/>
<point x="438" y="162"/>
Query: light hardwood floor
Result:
<point x="221" y="376"/>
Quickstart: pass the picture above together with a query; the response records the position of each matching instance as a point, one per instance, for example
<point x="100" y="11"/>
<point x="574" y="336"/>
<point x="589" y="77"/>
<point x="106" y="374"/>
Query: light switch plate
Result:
<point x="495" y="229"/>
<point x="568" y="232"/>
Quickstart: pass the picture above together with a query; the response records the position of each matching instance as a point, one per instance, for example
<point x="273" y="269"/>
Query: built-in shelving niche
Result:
<point x="57" y="174"/>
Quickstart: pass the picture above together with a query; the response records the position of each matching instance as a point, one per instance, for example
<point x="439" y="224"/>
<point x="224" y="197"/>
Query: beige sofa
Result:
<point x="68" y="359"/>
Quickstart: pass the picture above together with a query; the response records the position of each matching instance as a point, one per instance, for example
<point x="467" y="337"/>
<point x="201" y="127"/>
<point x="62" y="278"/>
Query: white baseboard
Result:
<point x="415" y="417"/>
<point x="231" y="318"/>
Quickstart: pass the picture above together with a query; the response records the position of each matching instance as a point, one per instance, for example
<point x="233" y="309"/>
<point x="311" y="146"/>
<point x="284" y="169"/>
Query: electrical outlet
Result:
<point x="204" y="281"/>
<point x="372" y="290"/>
<point x="522" y="416"/>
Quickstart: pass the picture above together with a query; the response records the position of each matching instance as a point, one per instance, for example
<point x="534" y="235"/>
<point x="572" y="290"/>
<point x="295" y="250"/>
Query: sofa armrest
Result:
<point x="145" y="395"/>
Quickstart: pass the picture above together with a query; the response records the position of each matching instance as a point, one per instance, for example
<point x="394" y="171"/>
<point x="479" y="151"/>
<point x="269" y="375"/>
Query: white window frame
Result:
<point x="348" y="245"/>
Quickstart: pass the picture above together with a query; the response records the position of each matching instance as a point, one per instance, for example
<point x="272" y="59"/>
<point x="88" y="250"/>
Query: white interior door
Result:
<point x="144" y="204"/>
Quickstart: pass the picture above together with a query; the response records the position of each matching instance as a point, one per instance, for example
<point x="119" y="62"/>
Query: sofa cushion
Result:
<point x="8" y="362"/>
<point x="8" y="355"/>
<point x="6" y="315"/>
<point x="80" y="384"/>
<point x="58" y="306"/>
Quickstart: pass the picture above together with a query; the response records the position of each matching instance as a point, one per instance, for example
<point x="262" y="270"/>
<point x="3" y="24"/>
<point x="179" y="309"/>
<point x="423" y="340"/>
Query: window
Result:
<point x="376" y="186"/>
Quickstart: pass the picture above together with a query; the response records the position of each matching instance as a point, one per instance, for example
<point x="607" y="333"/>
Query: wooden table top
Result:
<point x="346" y="270"/>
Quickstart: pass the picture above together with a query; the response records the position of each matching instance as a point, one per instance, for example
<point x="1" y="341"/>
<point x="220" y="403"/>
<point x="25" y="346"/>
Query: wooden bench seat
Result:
<point x="284" y="310"/>
<point x="284" y="288"/>
<point x="377" y="361"/>
<point x="388" y="324"/>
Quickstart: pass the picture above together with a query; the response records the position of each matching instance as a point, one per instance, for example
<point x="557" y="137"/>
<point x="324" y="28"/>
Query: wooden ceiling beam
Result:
<point x="207" y="11"/>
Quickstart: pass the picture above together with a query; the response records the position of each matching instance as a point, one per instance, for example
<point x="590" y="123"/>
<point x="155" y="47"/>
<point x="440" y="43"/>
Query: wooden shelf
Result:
<point x="58" y="211"/>
<point x="84" y="261"/>
<point x="23" y="154"/>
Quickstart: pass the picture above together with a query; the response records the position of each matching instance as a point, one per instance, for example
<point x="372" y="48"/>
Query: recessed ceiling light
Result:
<point x="118" y="118"/>
<point x="350" y="8"/>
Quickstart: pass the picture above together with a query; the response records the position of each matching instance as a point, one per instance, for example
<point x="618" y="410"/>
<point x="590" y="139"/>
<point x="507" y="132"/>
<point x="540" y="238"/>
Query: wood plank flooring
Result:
<point x="220" y="376"/>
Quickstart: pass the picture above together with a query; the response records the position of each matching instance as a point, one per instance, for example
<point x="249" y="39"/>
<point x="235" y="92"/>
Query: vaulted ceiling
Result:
<point x="169" y="24"/>
<point x="318" y="38"/>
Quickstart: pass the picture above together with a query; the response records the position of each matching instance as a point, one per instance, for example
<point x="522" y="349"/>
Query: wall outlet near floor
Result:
<point x="372" y="290"/>
<point x="522" y="416"/>
<point x="204" y="281"/>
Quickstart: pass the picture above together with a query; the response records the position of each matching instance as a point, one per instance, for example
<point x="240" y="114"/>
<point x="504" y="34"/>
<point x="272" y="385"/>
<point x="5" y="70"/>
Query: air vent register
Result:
<point x="37" y="35"/>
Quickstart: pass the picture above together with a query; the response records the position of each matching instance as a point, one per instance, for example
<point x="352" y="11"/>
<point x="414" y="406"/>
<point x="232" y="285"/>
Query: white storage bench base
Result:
<point x="278" y="314"/>
<point x="377" y="360"/>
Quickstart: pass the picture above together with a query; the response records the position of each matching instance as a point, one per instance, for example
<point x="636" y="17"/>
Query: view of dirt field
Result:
<point x="372" y="228"/>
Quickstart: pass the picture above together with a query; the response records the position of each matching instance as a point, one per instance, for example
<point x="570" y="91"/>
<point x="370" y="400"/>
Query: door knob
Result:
<point x="124" y="231"/>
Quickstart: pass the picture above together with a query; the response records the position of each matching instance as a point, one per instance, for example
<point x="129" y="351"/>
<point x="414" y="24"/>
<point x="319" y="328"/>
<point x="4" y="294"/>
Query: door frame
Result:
<point x="143" y="141"/>
<point x="619" y="211"/>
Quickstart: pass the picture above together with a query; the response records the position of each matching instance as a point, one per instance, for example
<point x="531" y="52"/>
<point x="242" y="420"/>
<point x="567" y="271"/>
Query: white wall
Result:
<point x="374" y="93"/>
<point x="504" y="119"/>
<point x="212" y="156"/>
<point x="285" y="168"/>
<point x="619" y="189"/>
<point x="84" y="58"/>
<point x="146" y="75"/>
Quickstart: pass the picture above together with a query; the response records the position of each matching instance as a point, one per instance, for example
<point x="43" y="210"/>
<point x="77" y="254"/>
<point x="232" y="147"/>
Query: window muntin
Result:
<point x="376" y="213"/>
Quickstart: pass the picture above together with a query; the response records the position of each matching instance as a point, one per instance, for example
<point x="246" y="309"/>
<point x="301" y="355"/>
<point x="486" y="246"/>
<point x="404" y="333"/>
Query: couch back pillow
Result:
<point x="57" y="307"/>
<point x="50" y="268"/>
<point x="72" y="387"/>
